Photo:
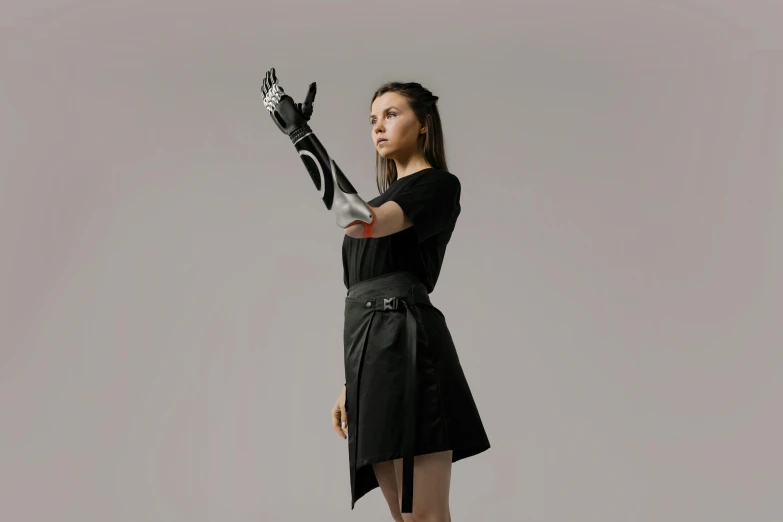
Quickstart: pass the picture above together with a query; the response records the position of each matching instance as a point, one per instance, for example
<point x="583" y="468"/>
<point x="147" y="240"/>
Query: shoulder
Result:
<point x="441" y="178"/>
<point x="445" y="174"/>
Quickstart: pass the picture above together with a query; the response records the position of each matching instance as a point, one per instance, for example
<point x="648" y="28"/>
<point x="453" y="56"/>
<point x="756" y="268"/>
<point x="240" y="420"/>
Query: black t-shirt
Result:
<point x="430" y="199"/>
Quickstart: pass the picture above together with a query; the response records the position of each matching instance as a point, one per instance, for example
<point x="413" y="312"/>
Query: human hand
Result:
<point x="339" y="416"/>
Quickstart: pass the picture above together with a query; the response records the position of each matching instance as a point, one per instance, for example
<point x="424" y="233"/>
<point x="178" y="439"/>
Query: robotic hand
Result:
<point x="336" y="191"/>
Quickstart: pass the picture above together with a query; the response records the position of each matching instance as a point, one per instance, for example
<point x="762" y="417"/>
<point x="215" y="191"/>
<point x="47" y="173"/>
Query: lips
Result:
<point x="382" y="140"/>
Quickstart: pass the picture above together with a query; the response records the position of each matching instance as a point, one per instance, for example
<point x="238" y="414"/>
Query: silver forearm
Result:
<point x="336" y="191"/>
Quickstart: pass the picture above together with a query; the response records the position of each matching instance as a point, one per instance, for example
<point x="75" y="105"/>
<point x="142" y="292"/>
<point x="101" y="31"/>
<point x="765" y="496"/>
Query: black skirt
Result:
<point x="406" y="393"/>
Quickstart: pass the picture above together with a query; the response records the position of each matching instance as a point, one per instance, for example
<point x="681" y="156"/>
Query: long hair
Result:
<point x="424" y="106"/>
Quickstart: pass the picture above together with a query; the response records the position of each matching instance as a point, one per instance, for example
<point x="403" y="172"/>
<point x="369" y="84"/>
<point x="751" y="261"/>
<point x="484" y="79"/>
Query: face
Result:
<point x="392" y="118"/>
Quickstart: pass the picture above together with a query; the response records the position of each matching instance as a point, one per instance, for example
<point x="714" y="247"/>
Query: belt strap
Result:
<point x="409" y="430"/>
<point x="409" y="433"/>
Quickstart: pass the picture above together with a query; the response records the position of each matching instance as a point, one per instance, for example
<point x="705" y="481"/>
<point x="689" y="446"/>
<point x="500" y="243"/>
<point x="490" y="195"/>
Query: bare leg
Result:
<point x="431" y="482"/>
<point x="387" y="480"/>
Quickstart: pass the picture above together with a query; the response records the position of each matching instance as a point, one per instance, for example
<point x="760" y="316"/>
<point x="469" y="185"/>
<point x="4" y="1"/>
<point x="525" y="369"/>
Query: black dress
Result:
<point x="402" y="369"/>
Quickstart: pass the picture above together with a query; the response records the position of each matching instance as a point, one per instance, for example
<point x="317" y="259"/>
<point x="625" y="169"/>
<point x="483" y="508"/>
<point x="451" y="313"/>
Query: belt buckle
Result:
<point x="390" y="303"/>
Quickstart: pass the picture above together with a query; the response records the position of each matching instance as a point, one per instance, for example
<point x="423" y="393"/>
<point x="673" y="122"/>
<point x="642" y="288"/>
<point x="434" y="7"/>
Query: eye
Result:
<point x="372" y="122"/>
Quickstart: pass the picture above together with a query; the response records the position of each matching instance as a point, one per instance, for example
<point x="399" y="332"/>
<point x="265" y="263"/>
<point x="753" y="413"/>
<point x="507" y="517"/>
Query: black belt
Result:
<point x="392" y="303"/>
<point x="409" y="432"/>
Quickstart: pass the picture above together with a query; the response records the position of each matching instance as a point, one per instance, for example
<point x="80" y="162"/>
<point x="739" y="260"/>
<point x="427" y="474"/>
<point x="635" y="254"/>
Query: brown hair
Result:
<point x="424" y="106"/>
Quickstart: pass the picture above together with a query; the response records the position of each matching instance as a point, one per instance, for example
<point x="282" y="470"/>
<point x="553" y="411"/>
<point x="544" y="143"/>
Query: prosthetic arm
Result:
<point x="336" y="191"/>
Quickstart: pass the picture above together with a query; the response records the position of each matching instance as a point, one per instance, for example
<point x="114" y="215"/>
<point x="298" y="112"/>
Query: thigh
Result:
<point x="431" y="483"/>
<point x="385" y="474"/>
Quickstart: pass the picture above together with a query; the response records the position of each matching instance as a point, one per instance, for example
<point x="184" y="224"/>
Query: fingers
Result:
<point x="310" y="97"/>
<point x="340" y="421"/>
<point x="270" y="78"/>
<point x="306" y="108"/>
<point x="265" y="85"/>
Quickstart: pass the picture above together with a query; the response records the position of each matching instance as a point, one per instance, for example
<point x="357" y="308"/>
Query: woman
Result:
<point x="406" y="408"/>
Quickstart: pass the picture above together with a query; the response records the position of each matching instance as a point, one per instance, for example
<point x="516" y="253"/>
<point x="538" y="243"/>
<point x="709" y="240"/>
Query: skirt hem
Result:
<point x="461" y="452"/>
<point x="464" y="451"/>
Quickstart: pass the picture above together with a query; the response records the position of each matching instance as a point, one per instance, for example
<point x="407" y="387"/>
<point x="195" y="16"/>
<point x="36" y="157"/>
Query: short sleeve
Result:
<point x="431" y="202"/>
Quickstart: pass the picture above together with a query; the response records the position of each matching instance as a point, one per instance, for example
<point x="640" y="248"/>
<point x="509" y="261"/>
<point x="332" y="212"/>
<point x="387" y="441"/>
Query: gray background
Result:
<point x="171" y="284"/>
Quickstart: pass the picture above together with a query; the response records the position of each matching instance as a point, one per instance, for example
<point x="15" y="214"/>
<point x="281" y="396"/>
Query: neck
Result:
<point x="411" y="166"/>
